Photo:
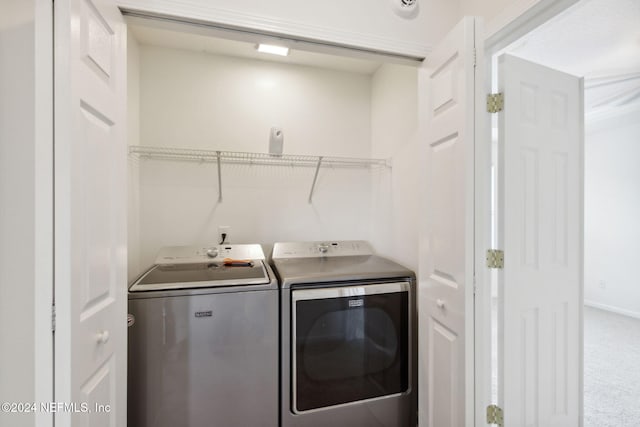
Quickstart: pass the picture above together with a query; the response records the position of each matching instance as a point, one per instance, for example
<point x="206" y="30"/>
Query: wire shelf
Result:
<point x="261" y="159"/>
<point x="237" y="157"/>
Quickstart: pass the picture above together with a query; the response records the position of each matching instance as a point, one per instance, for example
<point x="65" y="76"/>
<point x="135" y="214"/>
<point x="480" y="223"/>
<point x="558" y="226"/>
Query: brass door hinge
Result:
<point x="495" y="102"/>
<point x="495" y="415"/>
<point x="495" y="258"/>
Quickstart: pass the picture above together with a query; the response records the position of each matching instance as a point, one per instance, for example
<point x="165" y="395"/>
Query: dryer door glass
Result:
<point x="350" y="344"/>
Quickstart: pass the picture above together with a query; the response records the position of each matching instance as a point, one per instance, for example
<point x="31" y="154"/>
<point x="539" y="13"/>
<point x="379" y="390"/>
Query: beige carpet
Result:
<point x="611" y="369"/>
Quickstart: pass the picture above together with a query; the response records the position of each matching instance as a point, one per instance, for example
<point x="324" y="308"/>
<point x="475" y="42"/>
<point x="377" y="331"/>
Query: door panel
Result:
<point x="90" y="233"/>
<point x="443" y="343"/>
<point x="540" y="182"/>
<point x="446" y="269"/>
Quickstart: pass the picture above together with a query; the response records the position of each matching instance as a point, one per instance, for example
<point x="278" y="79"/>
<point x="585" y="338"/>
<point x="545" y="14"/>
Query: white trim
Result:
<point x="508" y="16"/>
<point x="600" y="119"/>
<point x="612" y="77"/>
<point x="482" y="232"/>
<point x="43" y="215"/>
<point x="581" y="260"/>
<point x="62" y="120"/>
<point x="471" y="217"/>
<point x="521" y="18"/>
<point x="612" y="309"/>
<point x="189" y="10"/>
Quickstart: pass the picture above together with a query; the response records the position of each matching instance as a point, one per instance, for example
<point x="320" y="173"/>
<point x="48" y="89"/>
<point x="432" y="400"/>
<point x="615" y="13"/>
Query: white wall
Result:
<point x="204" y="101"/>
<point x="395" y="127"/>
<point x="25" y="207"/>
<point x="488" y="9"/>
<point x="17" y="208"/>
<point x="612" y="214"/>
<point x="364" y="23"/>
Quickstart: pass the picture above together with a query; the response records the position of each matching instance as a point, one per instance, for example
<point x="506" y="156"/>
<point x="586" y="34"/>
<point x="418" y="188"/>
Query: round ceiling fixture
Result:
<point x="405" y="8"/>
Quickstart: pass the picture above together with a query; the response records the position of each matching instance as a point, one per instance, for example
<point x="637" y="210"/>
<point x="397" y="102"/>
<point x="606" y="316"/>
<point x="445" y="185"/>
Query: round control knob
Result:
<point x="102" y="337"/>
<point x="212" y="252"/>
<point x="323" y="249"/>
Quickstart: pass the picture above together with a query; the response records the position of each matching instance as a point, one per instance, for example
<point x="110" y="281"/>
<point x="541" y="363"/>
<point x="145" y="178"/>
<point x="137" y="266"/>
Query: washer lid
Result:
<point x="201" y="275"/>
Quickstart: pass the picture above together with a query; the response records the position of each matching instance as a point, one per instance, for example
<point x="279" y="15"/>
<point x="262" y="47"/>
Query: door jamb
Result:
<point x="44" y="210"/>
<point x="518" y="24"/>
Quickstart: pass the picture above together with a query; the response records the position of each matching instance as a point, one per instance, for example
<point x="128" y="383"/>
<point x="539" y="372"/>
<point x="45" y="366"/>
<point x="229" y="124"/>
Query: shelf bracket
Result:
<point x="219" y="177"/>
<point x="315" y="178"/>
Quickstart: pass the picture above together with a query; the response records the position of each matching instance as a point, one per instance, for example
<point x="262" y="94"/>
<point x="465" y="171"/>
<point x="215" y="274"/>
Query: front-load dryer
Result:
<point x="348" y="336"/>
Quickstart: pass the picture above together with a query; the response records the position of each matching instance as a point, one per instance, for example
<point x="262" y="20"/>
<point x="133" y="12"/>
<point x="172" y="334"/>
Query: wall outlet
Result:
<point x="602" y="284"/>
<point x="226" y="230"/>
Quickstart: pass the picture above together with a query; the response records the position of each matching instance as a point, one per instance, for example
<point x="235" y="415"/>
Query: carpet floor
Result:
<point x="611" y="369"/>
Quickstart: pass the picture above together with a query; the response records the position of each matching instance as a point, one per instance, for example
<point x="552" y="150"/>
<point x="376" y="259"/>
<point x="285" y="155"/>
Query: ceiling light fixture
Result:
<point x="275" y="50"/>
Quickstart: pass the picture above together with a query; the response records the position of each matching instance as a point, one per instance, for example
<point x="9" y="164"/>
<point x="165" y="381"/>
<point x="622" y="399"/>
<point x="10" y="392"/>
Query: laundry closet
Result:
<point x="202" y="106"/>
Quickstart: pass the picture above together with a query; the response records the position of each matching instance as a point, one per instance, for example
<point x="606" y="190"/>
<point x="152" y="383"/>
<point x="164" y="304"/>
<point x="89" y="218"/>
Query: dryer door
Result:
<point x="349" y="344"/>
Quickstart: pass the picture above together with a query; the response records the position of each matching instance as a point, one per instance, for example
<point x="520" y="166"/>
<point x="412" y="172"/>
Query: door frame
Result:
<point x="43" y="157"/>
<point x="513" y="24"/>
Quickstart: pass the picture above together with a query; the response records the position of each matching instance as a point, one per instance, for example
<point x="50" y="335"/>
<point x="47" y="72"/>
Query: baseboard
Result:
<point x="612" y="309"/>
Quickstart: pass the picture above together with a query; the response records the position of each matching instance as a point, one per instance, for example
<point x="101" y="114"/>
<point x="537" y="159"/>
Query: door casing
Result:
<point x="518" y="25"/>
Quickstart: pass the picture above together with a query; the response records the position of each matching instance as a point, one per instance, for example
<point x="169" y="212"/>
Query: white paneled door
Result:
<point x="90" y="222"/>
<point x="540" y="229"/>
<point x="446" y="244"/>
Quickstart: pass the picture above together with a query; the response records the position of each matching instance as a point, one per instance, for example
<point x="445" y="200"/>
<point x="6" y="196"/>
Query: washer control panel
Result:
<point x="203" y="254"/>
<point x="319" y="249"/>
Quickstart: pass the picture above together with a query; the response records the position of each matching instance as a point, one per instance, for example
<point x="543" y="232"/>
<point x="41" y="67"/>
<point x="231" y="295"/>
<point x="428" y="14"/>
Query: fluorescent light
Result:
<point x="275" y="50"/>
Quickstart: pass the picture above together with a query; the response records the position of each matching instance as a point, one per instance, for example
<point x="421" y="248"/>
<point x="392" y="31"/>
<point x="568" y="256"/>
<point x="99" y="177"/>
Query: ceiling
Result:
<point x="595" y="39"/>
<point x="242" y="44"/>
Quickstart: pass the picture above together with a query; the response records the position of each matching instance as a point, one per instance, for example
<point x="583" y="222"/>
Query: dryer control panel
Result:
<point x="319" y="249"/>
